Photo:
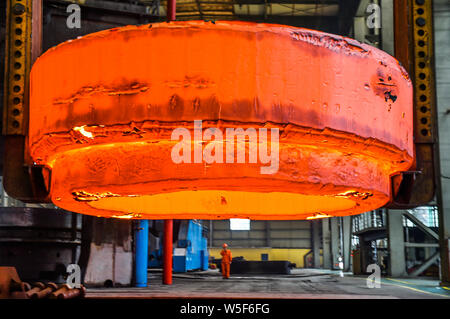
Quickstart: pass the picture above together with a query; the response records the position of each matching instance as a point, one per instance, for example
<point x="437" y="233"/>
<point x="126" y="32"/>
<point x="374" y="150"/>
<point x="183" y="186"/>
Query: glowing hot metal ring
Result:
<point x="103" y="108"/>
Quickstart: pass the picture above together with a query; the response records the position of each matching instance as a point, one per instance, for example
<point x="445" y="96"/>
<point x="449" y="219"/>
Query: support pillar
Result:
<point x="36" y="30"/>
<point x="441" y="22"/>
<point x="168" y="223"/>
<point x="167" y="254"/>
<point x="365" y="255"/>
<point x="396" y="243"/>
<point x="171" y="10"/>
<point x="334" y="242"/>
<point x="210" y="233"/>
<point x="316" y="243"/>
<point x="268" y="240"/>
<point x="347" y="241"/>
<point x="326" y="243"/>
<point x="141" y="253"/>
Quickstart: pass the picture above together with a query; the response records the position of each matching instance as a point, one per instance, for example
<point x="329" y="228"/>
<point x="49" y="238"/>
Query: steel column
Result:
<point x="23" y="45"/>
<point x="415" y="49"/>
<point x="326" y="243"/>
<point x="36" y="30"/>
<point x="397" y="266"/>
<point x="387" y="25"/>
<point x="168" y="223"/>
<point x="17" y="66"/>
<point x="334" y="242"/>
<point x="171" y="10"/>
<point x="346" y="240"/>
<point x="316" y="243"/>
<point x="168" y="237"/>
<point x="210" y="233"/>
<point x="141" y="253"/>
<point x="442" y="49"/>
<point x="267" y="229"/>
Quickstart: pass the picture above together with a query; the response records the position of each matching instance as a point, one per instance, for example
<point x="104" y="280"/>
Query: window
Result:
<point x="239" y="224"/>
<point x="428" y="215"/>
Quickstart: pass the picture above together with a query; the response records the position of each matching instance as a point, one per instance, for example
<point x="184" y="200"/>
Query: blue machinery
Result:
<point x="190" y="247"/>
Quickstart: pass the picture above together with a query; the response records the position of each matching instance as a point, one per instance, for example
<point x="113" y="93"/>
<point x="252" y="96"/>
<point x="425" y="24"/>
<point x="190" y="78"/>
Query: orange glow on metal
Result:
<point x="104" y="106"/>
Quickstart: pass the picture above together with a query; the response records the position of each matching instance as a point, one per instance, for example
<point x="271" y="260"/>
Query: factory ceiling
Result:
<point x="255" y="8"/>
<point x="325" y="15"/>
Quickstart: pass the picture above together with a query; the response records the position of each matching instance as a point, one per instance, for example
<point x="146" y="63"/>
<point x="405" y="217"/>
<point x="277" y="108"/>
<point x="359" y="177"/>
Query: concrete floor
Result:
<point x="301" y="284"/>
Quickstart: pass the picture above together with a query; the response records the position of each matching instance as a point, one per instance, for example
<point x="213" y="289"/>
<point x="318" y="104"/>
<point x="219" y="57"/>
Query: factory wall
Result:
<point x="292" y="255"/>
<point x="275" y="234"/>
<point x="280" y="240"/>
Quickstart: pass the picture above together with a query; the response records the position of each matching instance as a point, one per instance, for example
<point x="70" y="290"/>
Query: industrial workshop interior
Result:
<point x="188" y="151"/>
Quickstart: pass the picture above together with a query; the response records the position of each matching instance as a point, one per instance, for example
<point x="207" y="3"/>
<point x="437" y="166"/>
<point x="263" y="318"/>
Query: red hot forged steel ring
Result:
<point x="104" y="106"/>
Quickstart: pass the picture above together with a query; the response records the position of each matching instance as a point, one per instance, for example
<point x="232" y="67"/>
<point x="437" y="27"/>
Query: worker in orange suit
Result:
<point x="226" y="261"/>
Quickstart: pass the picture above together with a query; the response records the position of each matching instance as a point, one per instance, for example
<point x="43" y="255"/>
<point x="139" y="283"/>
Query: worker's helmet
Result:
<point x="224" y="245"/>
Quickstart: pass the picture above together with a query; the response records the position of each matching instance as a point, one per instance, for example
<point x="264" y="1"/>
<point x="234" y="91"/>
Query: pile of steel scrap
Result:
<point x="11" y="287"/>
